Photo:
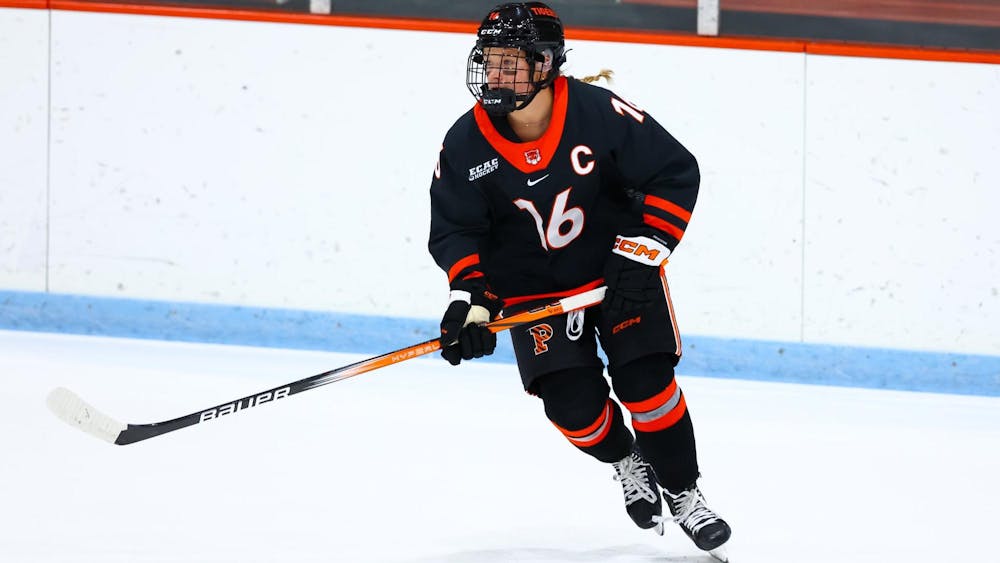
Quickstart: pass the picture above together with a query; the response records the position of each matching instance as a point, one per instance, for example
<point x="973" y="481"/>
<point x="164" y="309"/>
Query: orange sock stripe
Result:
<point x="592" y="434"/>
<point x="584" y="443"/>
<point x="654" y="402"/>
<point x="666" y="421"/>
<point x="590" y="429"/>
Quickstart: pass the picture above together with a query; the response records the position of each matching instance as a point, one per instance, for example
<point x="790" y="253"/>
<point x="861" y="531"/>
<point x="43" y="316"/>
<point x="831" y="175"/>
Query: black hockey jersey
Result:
<point x="539" y="218"/>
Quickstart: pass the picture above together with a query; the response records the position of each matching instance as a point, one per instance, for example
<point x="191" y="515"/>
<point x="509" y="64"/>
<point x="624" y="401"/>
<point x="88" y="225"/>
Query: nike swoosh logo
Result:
<point x="533" y="182"/>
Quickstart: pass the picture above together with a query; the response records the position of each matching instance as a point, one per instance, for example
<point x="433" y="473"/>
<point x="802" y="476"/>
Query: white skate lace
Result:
<point x="633" y="477"/>
<point x="692" y="512"/>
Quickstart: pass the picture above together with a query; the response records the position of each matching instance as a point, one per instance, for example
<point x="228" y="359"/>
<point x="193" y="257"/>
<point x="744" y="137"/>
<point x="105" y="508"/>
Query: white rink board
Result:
<point x="24" y="38"/>
<point x="903" y="200"/>
<point x="239" y="163"/>
<point x="292" y="191"/>
<point x="739" y="267"/>
<point x="278" y="165"/>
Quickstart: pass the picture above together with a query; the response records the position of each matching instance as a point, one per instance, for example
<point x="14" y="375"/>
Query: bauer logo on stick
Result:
<point x="237" y="406"/>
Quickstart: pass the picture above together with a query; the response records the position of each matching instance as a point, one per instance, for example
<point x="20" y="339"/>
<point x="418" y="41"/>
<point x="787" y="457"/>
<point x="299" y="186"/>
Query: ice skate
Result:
<point x="642" y="499"/>
<point x="700" y="523"/>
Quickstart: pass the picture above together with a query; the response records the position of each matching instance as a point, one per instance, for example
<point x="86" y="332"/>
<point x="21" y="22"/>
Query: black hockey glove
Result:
<point x="632" y="271"/>
<point x="462" y="335"/>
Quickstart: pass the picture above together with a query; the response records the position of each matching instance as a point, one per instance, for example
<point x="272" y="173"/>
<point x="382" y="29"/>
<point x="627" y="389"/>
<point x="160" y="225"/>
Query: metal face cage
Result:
<point x="500" y="78"/>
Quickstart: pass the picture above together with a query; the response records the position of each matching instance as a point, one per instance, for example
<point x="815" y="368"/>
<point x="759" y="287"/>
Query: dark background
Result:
<point x="959" y="24"/>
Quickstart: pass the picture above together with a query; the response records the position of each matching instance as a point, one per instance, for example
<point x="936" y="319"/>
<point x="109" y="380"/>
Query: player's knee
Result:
<point x="642" y="378"/>
<point x="574" y="398"/>
<point x="647" y="388"/>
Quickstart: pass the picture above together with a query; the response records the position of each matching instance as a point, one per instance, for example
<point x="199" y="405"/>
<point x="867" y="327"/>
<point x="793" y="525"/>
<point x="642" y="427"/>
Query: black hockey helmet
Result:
<point x="534" y="29"/>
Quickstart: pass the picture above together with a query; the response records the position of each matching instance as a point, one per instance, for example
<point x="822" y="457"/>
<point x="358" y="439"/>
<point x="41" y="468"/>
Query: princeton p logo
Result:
<point x="541" y="333"/>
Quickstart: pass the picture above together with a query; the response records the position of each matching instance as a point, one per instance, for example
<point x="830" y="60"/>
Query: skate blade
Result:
<point x="720" y="554"/>
<point x="658" y="529"/>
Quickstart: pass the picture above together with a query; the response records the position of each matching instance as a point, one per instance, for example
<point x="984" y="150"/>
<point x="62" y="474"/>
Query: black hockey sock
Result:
<point x="672" y="454"/>
<point x="662" y="424"/>
<point x="577" y="403"/>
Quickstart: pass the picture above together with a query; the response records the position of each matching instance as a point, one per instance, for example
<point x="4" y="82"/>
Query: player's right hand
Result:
<point x="462" y="335"/>
<point x="632" y="272"/>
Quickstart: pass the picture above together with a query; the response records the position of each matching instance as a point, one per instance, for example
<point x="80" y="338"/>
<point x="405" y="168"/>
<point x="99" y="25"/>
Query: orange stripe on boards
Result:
<point x="886" y="52"/>
<point x="655" y="221"/>
<point x="665" y="421"/>
<point x="26" y="4"/>
<point x="669" y="207"/>
<point x="589" y="34"/>
<point x="789" y="46"/>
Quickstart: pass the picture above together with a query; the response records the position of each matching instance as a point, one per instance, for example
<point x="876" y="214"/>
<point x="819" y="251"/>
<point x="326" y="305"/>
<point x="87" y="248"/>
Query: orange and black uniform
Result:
<point x="600" y="156"/>
<point x="537" y="220"/>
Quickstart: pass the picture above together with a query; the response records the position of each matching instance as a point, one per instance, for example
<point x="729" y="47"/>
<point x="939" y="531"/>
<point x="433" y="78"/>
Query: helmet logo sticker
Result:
<point x="544" y="11"/>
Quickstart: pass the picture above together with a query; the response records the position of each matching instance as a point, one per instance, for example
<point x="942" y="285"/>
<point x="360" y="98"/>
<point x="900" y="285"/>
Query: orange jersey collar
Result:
<point x="531" y="156"/>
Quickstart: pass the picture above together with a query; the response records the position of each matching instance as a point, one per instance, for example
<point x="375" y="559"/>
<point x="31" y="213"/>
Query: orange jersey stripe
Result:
<point x="470" y="260"/>
<point x="654" y="221"/>
<point x="474" y="275"/>
<point x="669" y="207"/>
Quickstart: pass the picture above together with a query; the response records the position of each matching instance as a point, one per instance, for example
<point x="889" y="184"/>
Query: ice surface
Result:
<point x="421" y="462"/>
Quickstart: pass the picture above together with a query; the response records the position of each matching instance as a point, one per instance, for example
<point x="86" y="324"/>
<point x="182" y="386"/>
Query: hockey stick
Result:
<point x="76" y="412"/>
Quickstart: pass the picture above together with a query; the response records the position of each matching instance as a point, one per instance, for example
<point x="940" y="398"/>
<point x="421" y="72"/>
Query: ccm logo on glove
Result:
<point x="641" y="249"/>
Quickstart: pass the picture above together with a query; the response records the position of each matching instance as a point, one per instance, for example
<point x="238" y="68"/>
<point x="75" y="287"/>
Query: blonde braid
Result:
<point x="605" y="73"/>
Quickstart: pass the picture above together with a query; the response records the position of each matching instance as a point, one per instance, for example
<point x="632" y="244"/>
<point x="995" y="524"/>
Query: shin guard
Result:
<point x="662" y="424"/>
<point x="577" y="402"/>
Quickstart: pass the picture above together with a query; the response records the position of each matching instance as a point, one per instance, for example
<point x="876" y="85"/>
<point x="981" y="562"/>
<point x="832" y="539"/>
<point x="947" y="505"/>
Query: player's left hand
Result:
<point x="632" y="272"/>
<point x="463" y="336"/>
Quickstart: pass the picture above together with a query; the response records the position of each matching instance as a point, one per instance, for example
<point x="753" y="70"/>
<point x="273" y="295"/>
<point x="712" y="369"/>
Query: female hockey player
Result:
<point x="550" y="186"/>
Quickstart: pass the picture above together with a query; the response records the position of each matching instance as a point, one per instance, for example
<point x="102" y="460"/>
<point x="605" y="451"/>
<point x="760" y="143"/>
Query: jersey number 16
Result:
<point x="564" y="225"/>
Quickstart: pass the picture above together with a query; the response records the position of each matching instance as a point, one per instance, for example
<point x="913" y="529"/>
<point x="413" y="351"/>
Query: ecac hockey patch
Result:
<point x="483" y="169"/>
